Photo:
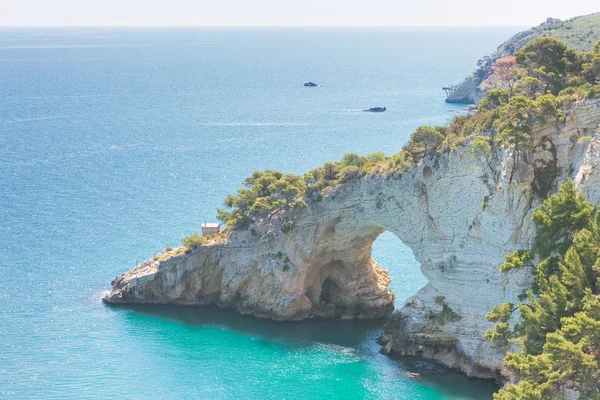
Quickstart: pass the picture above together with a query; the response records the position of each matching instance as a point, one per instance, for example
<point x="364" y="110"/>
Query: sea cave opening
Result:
<point x="330" y="292"/>
<point x="348" y="280"/>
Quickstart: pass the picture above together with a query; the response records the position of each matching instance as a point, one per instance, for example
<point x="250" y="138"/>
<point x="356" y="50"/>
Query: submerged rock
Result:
<point x="414" y="376"/>
<point x="460" y="214"/>
<point x="310" y="84"/>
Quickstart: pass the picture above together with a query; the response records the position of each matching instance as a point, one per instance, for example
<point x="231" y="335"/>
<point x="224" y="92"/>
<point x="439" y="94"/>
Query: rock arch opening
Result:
<point x="358" y="273"/>
<point x="404" y="270"/>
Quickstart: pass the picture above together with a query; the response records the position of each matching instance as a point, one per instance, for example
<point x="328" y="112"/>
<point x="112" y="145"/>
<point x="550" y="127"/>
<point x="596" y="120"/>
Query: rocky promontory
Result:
<point x="580" y="33"/>
<point x="460" y="213"/>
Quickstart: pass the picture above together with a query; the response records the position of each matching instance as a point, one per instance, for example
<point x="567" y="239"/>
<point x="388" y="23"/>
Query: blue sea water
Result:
<point x="115" y="143"/>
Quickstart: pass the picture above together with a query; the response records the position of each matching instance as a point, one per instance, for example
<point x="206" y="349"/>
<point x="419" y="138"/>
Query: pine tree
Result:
<point x="559" y="332"/>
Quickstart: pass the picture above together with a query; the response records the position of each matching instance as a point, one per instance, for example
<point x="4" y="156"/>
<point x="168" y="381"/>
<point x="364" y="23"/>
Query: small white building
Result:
<point x="210" y="228"/>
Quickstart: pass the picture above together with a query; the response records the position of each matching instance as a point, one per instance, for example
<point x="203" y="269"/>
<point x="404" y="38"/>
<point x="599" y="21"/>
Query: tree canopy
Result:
<point x="559" y="330"/>
<point x="266" y="193"/>
<point x="550" y="61"/>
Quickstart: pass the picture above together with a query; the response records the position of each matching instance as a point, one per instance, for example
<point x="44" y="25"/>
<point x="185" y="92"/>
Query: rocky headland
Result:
<point x="580" y="33"/>
<point x="460" y="213"/>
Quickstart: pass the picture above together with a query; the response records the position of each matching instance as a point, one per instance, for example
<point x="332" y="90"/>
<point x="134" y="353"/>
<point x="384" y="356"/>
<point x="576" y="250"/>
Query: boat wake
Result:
<point x="256" y="124"/>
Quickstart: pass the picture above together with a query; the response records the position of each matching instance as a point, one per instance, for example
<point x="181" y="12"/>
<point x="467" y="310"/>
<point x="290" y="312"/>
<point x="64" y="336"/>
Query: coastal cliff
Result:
<point x="459" y="213"/>
<point x="580" y="33"/>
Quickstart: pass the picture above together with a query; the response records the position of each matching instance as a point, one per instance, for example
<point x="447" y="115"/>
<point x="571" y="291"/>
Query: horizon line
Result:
<point x="263" y="26"/>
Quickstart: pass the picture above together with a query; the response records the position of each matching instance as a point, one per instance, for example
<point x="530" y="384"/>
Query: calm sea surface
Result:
<point x="115" y="143"/>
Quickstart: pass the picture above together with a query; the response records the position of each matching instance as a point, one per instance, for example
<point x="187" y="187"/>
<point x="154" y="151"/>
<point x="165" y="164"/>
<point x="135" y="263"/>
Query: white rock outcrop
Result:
<point x="466" y="92"/>
<point x="460" y="215"/>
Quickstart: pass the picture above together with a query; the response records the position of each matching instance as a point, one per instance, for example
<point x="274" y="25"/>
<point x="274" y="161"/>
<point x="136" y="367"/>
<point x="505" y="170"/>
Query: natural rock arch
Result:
<point x="280" y="275"/>
<point x="460" y="214"/>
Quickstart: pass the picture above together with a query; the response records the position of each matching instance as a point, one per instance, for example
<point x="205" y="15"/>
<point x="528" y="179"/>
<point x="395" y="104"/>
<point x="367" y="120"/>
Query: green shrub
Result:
<point x="287" y="225"/>
<point x="493" y="99"/>
<point x="480" y="146"/>
<point x="485" y="204"/>
<point x="353" y="159"/>
<point x="349" y="173"/>
<point x="425" y="141"/>
<point x="584" y="139"/>
<point x="193" y="241"/>
<point x="401" y="162"/>
<point x="516" y="259"/>
<point x="375" y="157"/>
<point x="444" y="316"/>
<point x="501" y="333"/>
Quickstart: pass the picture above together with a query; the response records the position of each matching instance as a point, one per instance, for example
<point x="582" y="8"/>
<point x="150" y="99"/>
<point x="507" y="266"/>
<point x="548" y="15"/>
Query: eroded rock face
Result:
<point x="460" y="215"/>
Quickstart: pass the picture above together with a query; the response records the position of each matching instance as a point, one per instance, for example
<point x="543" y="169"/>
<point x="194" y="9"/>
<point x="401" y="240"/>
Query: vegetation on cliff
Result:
<point x="542" y="82"/>
<point x="266" y="194"/>
<point x="579" y="33"/>
<point x="559" y="331"/>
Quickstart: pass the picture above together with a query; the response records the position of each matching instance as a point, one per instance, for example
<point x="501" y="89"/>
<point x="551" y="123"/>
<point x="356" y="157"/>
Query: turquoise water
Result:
<point x="117" y="143"/>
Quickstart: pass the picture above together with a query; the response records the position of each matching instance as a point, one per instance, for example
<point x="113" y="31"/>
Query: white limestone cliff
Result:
<point x="460" y="215"/>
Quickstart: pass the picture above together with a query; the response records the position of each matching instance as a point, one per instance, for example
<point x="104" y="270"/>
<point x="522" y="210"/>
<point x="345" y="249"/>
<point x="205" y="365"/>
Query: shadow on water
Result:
<point x="358" y="335"/>
<point x="313" y="330"/>
<point x="451" y="382"/>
